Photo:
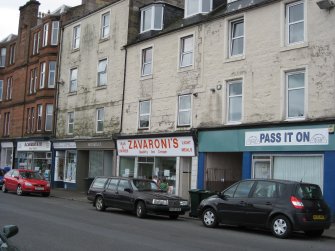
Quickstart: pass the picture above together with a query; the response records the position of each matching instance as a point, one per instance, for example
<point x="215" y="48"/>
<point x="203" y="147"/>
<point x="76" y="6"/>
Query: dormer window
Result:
<point x="152" y="18"/>
<point x="194" y="7"/>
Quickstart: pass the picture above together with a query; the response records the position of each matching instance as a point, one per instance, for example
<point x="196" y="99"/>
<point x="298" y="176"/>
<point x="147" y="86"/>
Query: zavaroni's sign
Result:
<point x="169" y="146"/>
<point x="302" y="137"/>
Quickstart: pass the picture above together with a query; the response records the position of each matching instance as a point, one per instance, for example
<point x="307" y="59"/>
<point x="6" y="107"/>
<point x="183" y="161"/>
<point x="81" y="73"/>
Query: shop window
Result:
<point x="127" y="165"/>
<point x="96" y="164"/>
<point x="165" y="168"/>
<point x="145" y="168"/>
<point x="37" y="161"/>
<point x="71" y="166"/>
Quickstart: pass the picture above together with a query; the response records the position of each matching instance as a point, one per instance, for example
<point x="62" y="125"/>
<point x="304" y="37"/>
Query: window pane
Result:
<point x="296" y="32"/>
<point x="296" y="80"/>
<point x="296" y="103"/>
<point x="96" y="164"/>
<point x="187" y="59"/>
<point x="235" y="109"/>
<point x="185" y="102"/>
<point x="243" y="189"/>
<point x="147" y="19"/>
<point x="238" y="29"/>
<point x="144" y="121"/>
<point x="144" y="107"/>
<point x="296" y="13"/>
<point x="192" y="7"/>
<point x="235" y="89"/>
<point x="206" y="5"/>
<point x="184" y="118"/>
<point x="158" y="17"/>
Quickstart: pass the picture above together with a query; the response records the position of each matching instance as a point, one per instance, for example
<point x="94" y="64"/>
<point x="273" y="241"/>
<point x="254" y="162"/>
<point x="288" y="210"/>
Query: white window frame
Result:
<point x="12" y="54"/>
<point x="100" y="120"/>
<point x="3" y="52"/>
<point x="39" y="117"/>
<point x="35" y="43"/>
<point x="230" y="97"/>
<point x="38" y="42"/>
<point x="1" y="89"/>
<point x="73" y="81"/>
<point x="6" y="123"/>
<point x="42" y="75"/>
<point x="32" y="110"/>
<point x="288" y="24"/>
<point x="180" y="110"/>
<point x="28" y="121"/>
<point x="144" y="114"/>
<point x="144" y="63"/>
<point x="102" y="72"/>
<point x="31" y="81"/>
<point x="200" y="8"/>
<point x="45" y="34"/>
<point x="76" y="37"/>
<point x="184" y="53"/>
<point x="52" y="75"/>
<point x="9" y="88"/>
<point x="152" y="19"/>
<point x="49" y="117"/>
<point x="35" y="80"/>
<point x="287" y="90"/>
<point x="70" y="123"/>
<point x="232" y="39"/>
<point x="55" y="32"/>
<point x="105" y="26"/>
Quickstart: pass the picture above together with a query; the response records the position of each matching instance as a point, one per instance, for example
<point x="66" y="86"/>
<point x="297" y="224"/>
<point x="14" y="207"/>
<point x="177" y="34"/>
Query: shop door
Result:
<point x="262" y="169"/>
<point x="145" y="167"/>
<point x="185" y="177"/>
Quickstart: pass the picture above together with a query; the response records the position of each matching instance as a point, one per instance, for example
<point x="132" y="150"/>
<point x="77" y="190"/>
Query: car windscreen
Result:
<point x="308" y="192"/>
<point x="31" y="175"/>
<point x="145" y="185"/>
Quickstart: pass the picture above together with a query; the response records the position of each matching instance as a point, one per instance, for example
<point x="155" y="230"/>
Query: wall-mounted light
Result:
<point x="212" y="90"/>
<point x="218" y="87"/>
<point x="326" y="4"/>
<point x="195" y="94"/>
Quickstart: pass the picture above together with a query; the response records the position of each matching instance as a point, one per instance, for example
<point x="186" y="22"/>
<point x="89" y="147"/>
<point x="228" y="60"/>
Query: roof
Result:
<point x="9" y="38"/>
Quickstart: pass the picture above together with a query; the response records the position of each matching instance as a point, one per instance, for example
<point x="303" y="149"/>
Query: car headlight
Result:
<point x="28" y="184"/>
<point x="160" y="202"/>
<point x="183" y="202"/>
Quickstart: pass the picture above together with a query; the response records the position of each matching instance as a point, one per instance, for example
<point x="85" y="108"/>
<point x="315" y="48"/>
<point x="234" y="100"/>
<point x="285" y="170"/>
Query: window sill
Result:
<point x="101" y="87"/>
<point x="146" y="77"/>
<point x="101" y="40"/>
<point x="234" y="59"/>
<point x="183" y="126"/>
<point x="295" y="119"/>
<point x="143" y="129"/>
<point x="234" y="123"/>
<point x="293" y="46"/>
<point x="72" y="94"/>
<point x="185" y="68"/>
<point x="75" y="50"/>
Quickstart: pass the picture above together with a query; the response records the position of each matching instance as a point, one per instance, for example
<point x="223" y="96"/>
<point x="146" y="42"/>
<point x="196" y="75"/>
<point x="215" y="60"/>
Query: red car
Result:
<point x="25" y="181"/>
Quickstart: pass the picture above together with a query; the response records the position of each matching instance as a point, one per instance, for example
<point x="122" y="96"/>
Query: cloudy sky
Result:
<point x="9" y="12"/>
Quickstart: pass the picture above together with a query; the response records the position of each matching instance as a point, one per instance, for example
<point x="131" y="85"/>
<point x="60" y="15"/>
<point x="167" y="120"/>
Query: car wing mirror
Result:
<point x="16" y="177"/>
<point x="10" y="230"/>
<point x="128" y="190"/>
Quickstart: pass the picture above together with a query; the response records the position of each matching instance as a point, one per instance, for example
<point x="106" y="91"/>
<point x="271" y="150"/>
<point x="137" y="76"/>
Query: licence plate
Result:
<point x="172" y="209"/>
<point x="318" y="217"/>
<point x="39" y="188"/>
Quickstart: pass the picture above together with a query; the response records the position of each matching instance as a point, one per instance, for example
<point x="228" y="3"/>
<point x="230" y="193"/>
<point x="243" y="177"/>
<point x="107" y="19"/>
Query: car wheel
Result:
<point x="100" y="204"/>
<point x="4" y="188"/>
<point x="314" y="233"/>
<point x="209" y="218"/>
<point x="141" y="211"/>
<point x="281" y="227"/>
<point x="174" y="216"/>
<point x="19" y="191"/>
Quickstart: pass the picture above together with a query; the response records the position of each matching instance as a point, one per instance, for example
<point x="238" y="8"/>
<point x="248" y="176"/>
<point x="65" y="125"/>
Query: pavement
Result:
<point x="74" y="195"/>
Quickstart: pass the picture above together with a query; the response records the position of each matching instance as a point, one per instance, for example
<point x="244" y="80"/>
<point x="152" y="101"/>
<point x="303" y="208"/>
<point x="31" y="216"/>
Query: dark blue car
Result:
<point x="2" y="173"/>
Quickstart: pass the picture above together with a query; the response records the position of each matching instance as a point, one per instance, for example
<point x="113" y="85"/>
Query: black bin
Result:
<point x="196" y="196"/>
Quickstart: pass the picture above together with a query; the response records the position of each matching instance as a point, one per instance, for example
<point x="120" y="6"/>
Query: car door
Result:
<point x="124" y="195"/>
<point x="234" y="203"/>
<point x="12" y="181"/>
<point x="262" y="201"/>
<point x="110" y="193"/>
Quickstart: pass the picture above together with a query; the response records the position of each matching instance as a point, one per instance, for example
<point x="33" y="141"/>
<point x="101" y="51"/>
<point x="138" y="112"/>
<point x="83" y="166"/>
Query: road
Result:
<point x="54" y="224"/>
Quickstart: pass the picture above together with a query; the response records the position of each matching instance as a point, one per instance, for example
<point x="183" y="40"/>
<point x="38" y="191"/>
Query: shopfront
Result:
<point x="7" y="149"/>
<point x="94" y="158"/>
<point x="164" y="158"/>
<point x="35" y="155"/>
<point x="301" y="153"/>
<point x="65" y="165"/>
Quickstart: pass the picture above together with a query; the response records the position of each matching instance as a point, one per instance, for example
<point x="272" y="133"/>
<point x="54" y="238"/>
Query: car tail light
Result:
<point x="297" y="203"/>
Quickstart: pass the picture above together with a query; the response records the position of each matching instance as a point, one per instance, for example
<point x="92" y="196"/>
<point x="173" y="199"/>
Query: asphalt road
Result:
<point x="53" y="224"/>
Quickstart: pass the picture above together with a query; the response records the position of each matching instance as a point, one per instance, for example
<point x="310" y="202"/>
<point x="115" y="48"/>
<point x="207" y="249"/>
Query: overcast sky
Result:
<point x="9" y="12"/>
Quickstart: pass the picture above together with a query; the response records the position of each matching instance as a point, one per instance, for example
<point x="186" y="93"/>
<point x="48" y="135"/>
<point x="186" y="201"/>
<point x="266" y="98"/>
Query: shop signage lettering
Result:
<point x="64" y="145"/>
<point x="94" y="144"/>
<point x="34" y="146"/>
<point x="169" y="146"/>
<point x="287" y="137"/>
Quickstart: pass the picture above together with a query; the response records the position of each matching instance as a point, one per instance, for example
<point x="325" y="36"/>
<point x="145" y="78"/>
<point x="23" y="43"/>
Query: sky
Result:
<point x="9" y="12"/>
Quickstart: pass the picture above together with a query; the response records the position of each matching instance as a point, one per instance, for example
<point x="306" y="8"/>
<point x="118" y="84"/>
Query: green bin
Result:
<point x="196" y="196"/>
